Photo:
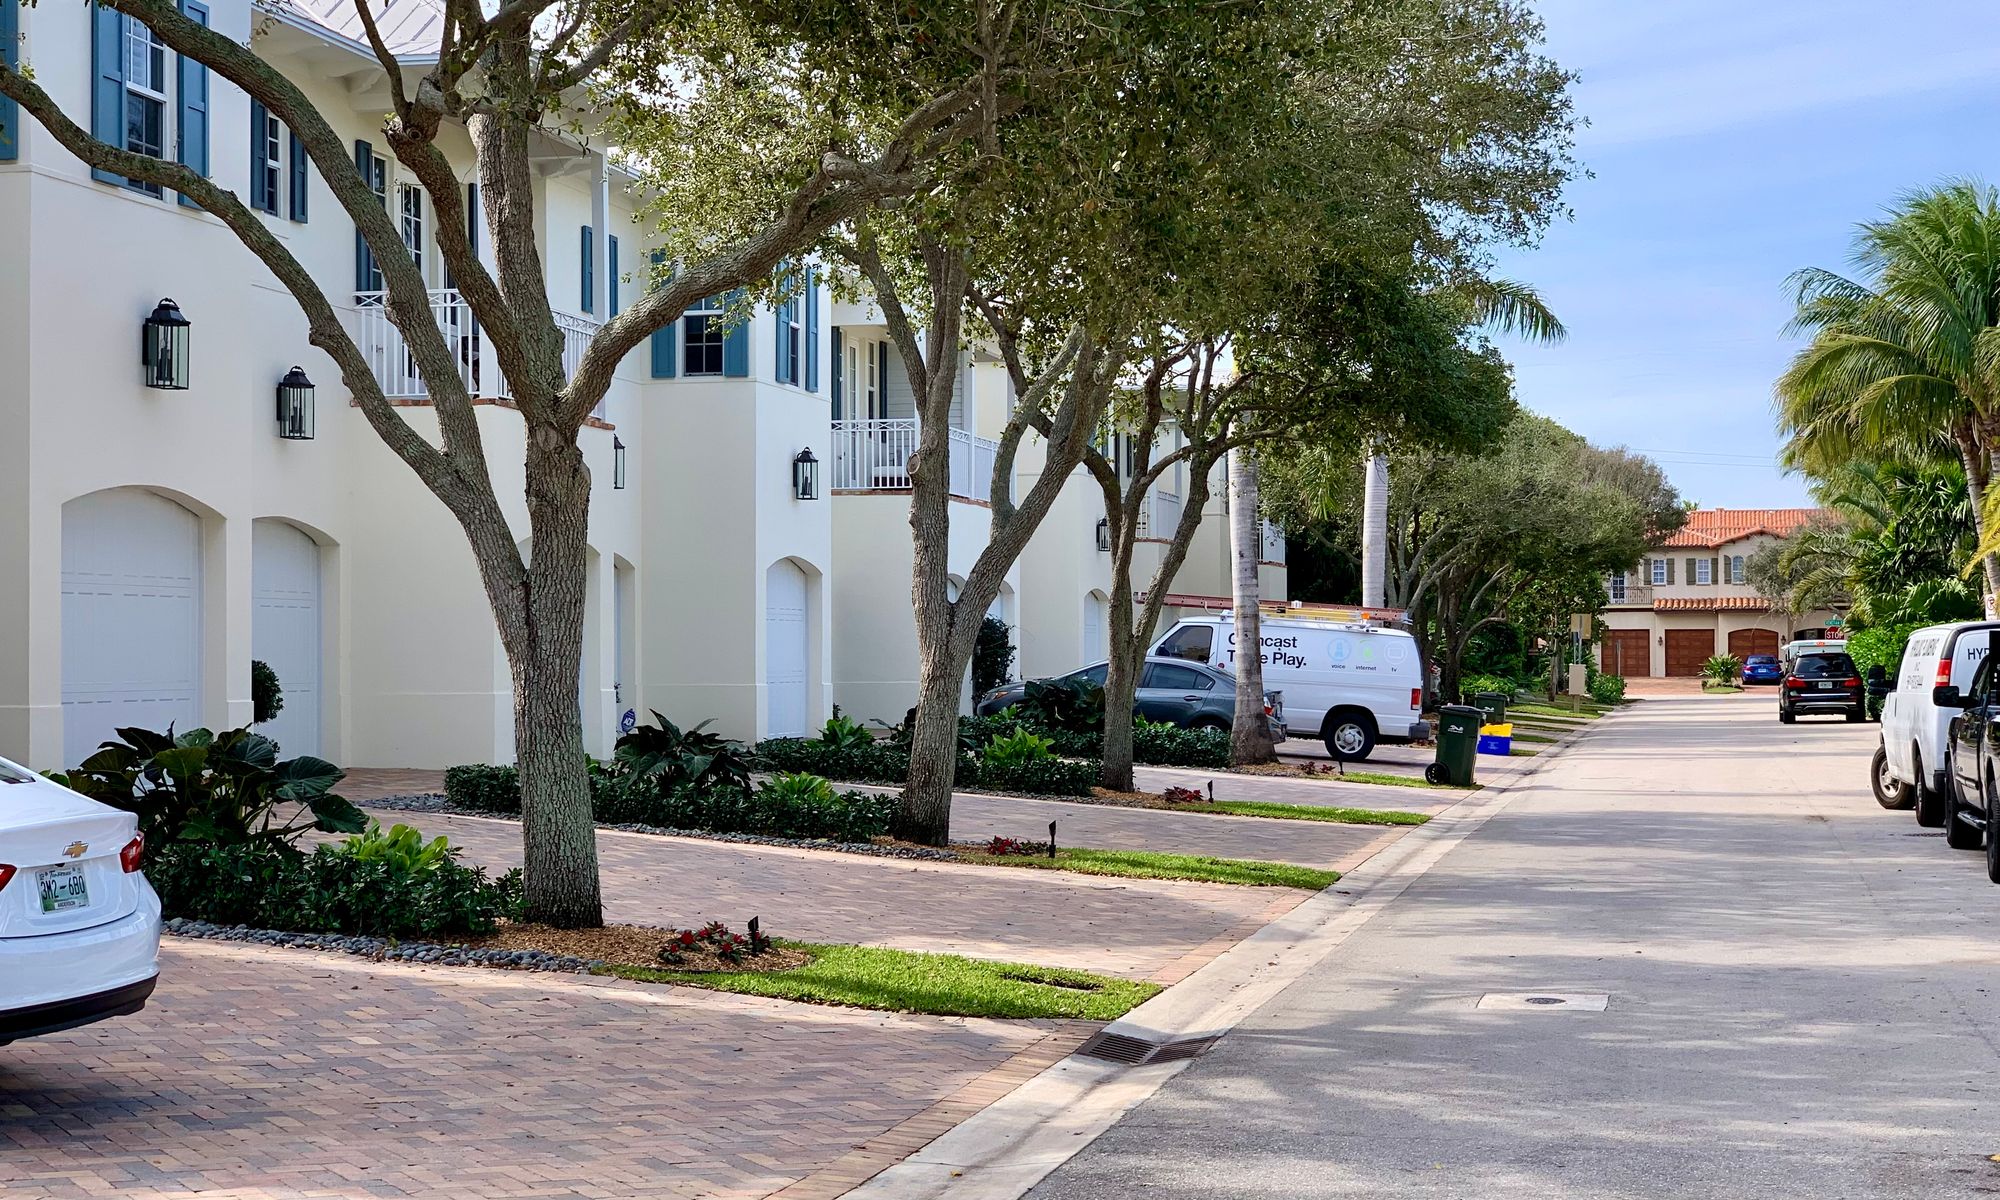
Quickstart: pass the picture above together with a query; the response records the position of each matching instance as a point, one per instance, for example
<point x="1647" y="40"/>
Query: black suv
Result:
<point x="1823" y="681"/>
<point x="1971" y="797"/>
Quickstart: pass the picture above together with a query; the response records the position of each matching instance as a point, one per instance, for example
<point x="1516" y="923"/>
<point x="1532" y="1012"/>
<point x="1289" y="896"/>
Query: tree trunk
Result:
<point x="558" y="831"/>
<point x="926" y="812"/>
<point x="1250" y="732"/>
<point x="1977" y="479"/>
<point x="1121" y="680"/>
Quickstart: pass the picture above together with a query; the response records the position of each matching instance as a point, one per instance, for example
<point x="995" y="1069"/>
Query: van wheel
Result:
<point x="1856" y="715"/>
<point x="1930" y="801"/>
<point x="1890" y="792"/>
<point x="1785" y="716"/>
<point x="1350" y="735"/>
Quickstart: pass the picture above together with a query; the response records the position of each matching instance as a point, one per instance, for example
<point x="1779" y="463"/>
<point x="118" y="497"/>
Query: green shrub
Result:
<point x="992" y="656"/>
<point x="1015" y="749"/>
<point x="1881" y="646"/>
<point x="267" y="698"/>
<point x="1475" y="684"/>
<point x="846" y="734"/>
<point x="1161" y="745"/>
<point x="878" y="763"/>
<point x="1070" y="705"/>
<point x="1607" y="689"/>
<point x="793" y="805"/>
<point x="402" y="849"/>
<point x="206" y="787"/>
<point x="683" y="758"/>
<point x="1045" y="777"/>
<point x="483" y="787"/>
<point x="1721" y="668"/>
<point x="269" y="885"/>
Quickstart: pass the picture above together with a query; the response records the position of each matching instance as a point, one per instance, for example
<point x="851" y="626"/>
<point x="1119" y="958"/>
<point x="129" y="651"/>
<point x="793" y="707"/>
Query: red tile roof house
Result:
<point x="1687" y="599"/>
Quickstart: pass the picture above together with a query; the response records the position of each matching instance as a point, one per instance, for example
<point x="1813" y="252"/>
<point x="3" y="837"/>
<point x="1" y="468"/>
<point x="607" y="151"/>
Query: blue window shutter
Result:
<point x="839" y="396"/>
<point x="736" y="343"/>
<point x="10" y="58"/>
<point x="812" y="332"/>
<point x="589" y="283"/>
<point x="663" y="339"/>
<point x="472" y="218"/>
<point x="364" y="262"/>
<point x="297" y="150"/>
<point x="778" y="327"/>
<point x="611" y="284"/>
<point x="192" y="128"/>
<point x="261" y="198"/>
<point x="107" y="86"/>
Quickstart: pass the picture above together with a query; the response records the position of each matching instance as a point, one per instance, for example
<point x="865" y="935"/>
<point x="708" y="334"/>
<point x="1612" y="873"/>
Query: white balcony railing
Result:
<point x="1274" y="543"/>
<point x="478" y="367"/>
<point x="1159" y="516"/>
<point x="874" y="456"/>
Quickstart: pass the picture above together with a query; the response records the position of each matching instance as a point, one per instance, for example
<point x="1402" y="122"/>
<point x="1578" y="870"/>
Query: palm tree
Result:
<point x="1903" y="367"/>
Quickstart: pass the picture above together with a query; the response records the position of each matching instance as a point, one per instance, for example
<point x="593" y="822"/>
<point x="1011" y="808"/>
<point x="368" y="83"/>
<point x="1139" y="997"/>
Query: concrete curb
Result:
<point x="1005" y="1149"/>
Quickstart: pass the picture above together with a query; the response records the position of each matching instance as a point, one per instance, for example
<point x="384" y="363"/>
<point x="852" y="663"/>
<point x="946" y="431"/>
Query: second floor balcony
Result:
<point x="395" y="368"/>
<point x="874" y="456"/>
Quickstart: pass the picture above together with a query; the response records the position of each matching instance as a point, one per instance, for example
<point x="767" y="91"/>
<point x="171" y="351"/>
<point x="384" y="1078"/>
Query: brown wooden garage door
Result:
<point x="1628" y="652"/>
<point x="1745" y="642"/>
<point x="1687" y="649"/>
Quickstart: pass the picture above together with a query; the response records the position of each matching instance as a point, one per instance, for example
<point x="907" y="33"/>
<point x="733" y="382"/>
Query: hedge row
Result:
<point x="630" y="799"/>
<point x="885" y="764"/>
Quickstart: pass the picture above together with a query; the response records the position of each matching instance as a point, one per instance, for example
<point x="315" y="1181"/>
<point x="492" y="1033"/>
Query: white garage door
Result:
<point x="131" y="617"/>
<point x="285" y="629"/>
<point x="785" y="649"/>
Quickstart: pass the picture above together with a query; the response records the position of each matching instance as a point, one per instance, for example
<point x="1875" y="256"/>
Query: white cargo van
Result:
<point x="1910" y="767"/>
<point x="1352" y="683"/>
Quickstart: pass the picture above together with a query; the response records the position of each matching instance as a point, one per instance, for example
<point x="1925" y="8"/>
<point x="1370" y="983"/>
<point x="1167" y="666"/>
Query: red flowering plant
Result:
<point x="717" y="939"/>
<point x="1182" y="795"/>
<point x="1001" y="847"/>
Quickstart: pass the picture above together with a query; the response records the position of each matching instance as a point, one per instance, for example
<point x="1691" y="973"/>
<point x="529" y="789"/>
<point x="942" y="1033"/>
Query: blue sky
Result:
<point x="1730" y="144"/>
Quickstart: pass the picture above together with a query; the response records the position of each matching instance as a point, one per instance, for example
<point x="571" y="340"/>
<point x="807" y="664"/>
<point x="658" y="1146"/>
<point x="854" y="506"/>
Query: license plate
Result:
<point x="62" y="889"/>
<point x="1825" y="687"/>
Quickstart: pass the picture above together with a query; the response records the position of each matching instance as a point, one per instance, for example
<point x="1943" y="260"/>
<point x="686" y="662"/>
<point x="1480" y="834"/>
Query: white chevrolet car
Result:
<point x="79" y="924"/>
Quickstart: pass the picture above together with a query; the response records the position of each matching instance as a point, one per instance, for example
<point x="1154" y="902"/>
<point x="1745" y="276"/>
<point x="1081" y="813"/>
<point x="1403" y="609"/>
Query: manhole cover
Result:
<point x="1524" y="1001"/>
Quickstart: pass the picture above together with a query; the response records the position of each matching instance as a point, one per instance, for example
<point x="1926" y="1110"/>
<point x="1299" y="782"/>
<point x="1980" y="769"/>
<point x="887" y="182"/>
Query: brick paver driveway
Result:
<point x="261" y="1073"/>
<point x="1141" y="928"/>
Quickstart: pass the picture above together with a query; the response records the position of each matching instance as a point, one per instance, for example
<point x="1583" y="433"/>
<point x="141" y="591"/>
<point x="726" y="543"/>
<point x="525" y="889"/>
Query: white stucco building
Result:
<point x="156" y="541"/>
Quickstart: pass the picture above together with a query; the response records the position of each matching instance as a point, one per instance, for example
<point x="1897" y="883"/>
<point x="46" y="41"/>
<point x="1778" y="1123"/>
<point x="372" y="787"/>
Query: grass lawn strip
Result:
<point x="1150" y="864"/>
<point x="1312" y="770"/>
<point x="907" y="981"/>
<point x="1307" y="812"/>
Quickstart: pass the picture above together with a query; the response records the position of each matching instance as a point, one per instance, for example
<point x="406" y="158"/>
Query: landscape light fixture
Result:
<point x="163" y="348"/>
<point x="617" y="464"/>
<point x="295" y="406"/>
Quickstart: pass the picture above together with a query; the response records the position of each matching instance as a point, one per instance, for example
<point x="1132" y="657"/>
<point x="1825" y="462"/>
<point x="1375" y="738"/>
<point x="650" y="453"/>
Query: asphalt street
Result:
<point x="1801" y="998"/>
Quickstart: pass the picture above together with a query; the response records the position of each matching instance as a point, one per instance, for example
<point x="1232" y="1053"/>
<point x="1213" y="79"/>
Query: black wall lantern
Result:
<point x="1104" y="534"/>
<point x="163" y="347"/>
<point x="617" y="464"/>
<point x="805" y="475"/>
<point x="295" y="406"/>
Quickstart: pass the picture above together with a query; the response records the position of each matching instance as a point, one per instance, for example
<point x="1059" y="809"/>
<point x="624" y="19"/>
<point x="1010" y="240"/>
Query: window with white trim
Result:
<point x="1659" y="572"/>
<point x="145" y="95"/>
<point x="1618" y="587"/>
<point x="266" y="144"/>
<point x="410" y="199"/>
<point x="792" y="340"/>
<point x="702" y="345"/>
<point x="1704" y="571"/>
<point x="1736" y="569"/>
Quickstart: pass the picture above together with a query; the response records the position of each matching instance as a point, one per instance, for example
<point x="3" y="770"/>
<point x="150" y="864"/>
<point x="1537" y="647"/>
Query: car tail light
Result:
<point x="1853" y="683"/>
<point x="1794" y="684"/>
<point x="1943" y="671"/>
<point x="133" y="854"/>
<point x="6" y="873"/>
<point x="1268" y="710"/>
<point x="1416" y="699"/>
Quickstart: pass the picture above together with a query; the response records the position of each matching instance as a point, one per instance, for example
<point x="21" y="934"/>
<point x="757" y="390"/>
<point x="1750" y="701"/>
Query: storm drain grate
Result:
<point x="1546" y="1001"/>
<point x="1136" y="1052"/>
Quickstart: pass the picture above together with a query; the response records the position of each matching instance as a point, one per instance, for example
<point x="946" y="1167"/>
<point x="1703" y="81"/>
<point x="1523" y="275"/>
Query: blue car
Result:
<point x="1762" y="668"/>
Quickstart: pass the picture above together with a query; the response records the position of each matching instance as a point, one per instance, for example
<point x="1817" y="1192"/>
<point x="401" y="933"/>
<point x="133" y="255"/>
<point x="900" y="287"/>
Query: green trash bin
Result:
<point x="1457" y="745"/>
<point x="1493" y="705"/>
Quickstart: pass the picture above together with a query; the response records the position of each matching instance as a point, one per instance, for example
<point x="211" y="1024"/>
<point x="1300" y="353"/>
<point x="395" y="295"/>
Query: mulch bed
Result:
<point x="629" y="946"/>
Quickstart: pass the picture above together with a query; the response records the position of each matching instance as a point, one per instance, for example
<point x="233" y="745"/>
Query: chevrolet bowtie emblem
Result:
<point x="75" y="849"/>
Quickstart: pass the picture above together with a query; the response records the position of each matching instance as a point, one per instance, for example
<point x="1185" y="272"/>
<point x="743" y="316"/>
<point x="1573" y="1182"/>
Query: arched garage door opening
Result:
<point x="285" y="630"/>
<point x="131" y="617"/>
<point x="1096" y="618"/>
<point x="1745" y="642"/>
<point x="787" y="649"/>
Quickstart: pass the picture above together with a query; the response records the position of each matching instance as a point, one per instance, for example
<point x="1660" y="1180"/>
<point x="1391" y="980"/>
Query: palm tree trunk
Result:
<point x="1977" y="477"/>
<point x="1250" y="734"/>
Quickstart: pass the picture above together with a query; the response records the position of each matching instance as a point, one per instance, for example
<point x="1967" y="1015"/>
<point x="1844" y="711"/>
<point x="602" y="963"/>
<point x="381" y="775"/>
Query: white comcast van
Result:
<point x="1351" y="682"/>
<point x="1910" y="768"/>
